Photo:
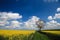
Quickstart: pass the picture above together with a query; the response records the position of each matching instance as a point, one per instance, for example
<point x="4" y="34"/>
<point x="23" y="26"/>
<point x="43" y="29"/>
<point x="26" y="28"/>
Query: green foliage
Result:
<point x="20" y="37"/>
<point x="3" y="38"/>
<point x="38" y="36"/>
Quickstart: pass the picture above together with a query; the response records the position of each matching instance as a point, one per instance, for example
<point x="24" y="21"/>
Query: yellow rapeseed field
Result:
<point x="53" y="32"/>
<point x="16" y="32"/>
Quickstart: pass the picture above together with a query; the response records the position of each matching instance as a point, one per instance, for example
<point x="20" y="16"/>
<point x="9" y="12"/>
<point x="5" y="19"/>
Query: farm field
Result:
<point x="52" y="32"/>
<point x="16" y="32"/>
<point x="21" y="35"/>
<point x="29" y="35"/>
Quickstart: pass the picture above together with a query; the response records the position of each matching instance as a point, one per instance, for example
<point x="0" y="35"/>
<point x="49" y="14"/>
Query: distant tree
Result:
<point x="40" y="24"/>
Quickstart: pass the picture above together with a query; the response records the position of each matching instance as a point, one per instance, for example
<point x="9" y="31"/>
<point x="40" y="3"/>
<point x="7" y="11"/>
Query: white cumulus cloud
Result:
<point x="58" y="9"/>
<point x="13" y="15"/>
<point x="9" y="20"/>
<point x="52" y="25"/>
<point x="50" y="18"/>
<point x="14" y="24"/>
<point x="57" y="16"/>
<point x="5" y="16"/>
<point x="31" y="23"/>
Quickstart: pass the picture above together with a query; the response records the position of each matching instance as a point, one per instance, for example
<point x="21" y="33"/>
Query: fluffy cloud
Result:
<point x="58" y="9"/>
<point x="31" y="23"/>
<point x="50" y="17"/>
<point x="10" y="15"/>
<point x="14" y="24"/>
<point x="14" y="15"/>
<point x="9" y="20"/>
<point x="5" y="16"/>
<point x="52" y="25"/>
<point x="57" y="16"/>
<point x="3" y="19"/>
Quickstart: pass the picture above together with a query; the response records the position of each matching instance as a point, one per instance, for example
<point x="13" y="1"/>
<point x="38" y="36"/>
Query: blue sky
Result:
<point x="28" y="8"/>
